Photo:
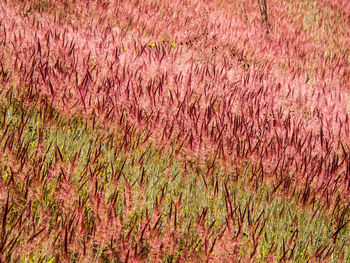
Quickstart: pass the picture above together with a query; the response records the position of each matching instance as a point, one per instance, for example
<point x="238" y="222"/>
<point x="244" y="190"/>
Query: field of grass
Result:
<point x="174" y="131"/>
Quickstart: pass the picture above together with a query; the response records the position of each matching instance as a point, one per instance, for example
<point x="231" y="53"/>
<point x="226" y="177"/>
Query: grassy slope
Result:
<point x="84" y="188"/>
<point x="50" y="191"/>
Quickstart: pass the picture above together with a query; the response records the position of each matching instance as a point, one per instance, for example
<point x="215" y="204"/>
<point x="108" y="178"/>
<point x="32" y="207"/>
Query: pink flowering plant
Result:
<point x="174" y="131"/>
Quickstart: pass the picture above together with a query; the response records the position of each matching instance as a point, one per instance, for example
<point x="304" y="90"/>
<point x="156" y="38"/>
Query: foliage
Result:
<point x="164" y="131"/>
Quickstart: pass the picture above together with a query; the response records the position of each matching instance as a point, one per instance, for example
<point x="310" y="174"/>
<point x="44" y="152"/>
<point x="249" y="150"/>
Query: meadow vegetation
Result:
<point x="174" y="131"/>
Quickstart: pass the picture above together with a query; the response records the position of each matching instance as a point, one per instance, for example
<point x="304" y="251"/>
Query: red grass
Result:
<point x="227" y="90"/>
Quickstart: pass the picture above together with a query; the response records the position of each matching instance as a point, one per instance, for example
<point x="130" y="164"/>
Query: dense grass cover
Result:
<point x="174" y="131"/>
